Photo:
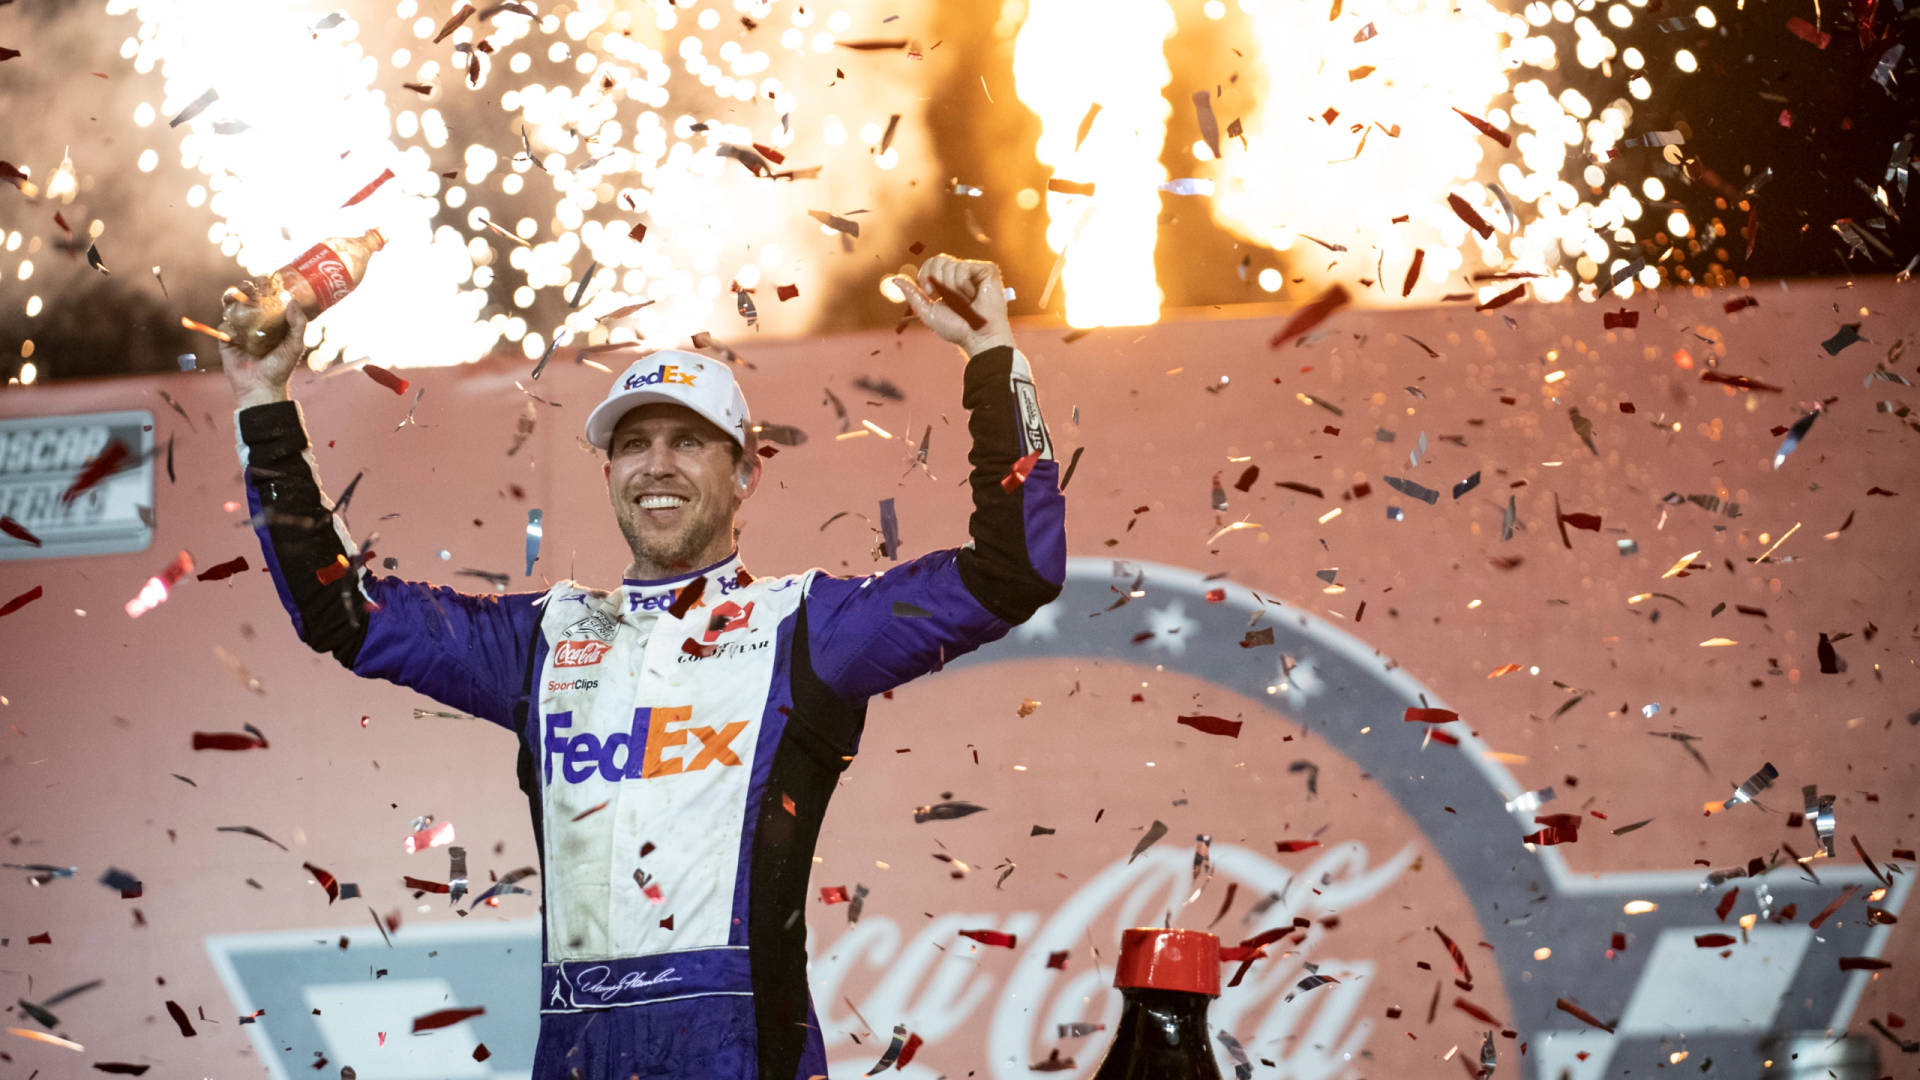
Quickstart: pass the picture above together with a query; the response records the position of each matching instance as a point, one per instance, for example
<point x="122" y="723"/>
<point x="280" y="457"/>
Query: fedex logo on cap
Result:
<point x="663" y="375"/>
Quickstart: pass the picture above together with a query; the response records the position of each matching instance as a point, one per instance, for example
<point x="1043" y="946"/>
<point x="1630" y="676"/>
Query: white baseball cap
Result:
<point x="680" y="378"/>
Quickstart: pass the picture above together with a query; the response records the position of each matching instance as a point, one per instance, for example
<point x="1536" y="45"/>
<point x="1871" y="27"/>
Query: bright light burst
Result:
<point x="297" y="128"/>
<point x="595" y="184"/>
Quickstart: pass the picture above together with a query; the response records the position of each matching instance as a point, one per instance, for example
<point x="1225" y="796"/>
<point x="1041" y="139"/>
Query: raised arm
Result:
<point x="867" y="635"/>
<point x="470" y="652"/>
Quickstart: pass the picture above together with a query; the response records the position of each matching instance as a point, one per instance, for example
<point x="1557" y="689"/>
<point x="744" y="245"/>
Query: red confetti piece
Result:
<point x="1430" y="716"/>
<point x="637" y="233"/>
<point x="98" y="469"/>
<point x="1589" y="522"/>
<point x="1459" y="956"/>
<point x="432" y="836"/>
<point x="448" y="27"/>
<point x="1739" y="303"/>
<point x="1726" y="904"/>
<point x="591" y="810"/>
<point x="770" y="153"/>
<point x="328" y="882"/>
<point x="222" y="571"/>
<point x="1713" y="941"/>
<point x="1486" y="129"/>
<point x="1216" y="596"/>
<point x="906" y="1052"/>
<point x="386" y="378"/>
<point x="384" y="176"/>
<point x="481" y="1053"/>
<point x="685" y="597"/>
<point x="787" y="292"/>
<point x="445" y="1017"/>
<point x="1213" y="725"/>
<point x="180" y="1018"/>
<point x="991" y="937"/>
<point x="833" y="894"/>
<point x="18" y="531"/>
<point x="424" y="885"/>
<point x="1503" y="299"/>
<point x="1471" y="216"/>
<point x="1018" y="474"/>
<point x="227" y="740"/>
<point x="1806" y="31"/>
<point x="1288" y="847"/>
<point x="8" y="54"/>
<point x="1828" y="911"/>
<point x="332" y="571"/>
<point x="1477" y="1013"/>
<point x="1864" y="963"/>
<point x="1618" y="320"/>
<point x="786" y="802"/>
<point x="696" y="650"/>
<point x="1315" y="313"/>
<point x="1442" y="737"/>
<point x="44" y="938"/>
<point x="1413" y="271"/>
<point x="1559" y="829"/>
<point x="1581" y="1014"/>
<point x="1057" y="960"/>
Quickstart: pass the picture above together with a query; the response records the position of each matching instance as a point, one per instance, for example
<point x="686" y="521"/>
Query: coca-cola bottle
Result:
<point x="256" y="311"/>
<point x="1166" y="978"/>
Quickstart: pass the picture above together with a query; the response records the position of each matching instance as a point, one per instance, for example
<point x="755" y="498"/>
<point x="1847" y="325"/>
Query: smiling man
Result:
<point x="680" y="735"/>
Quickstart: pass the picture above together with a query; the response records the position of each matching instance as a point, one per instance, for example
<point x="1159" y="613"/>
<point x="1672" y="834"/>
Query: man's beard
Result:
<point x="671" y="552"/>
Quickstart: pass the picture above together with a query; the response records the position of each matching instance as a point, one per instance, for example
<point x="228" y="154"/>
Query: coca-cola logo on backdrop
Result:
<point x="1416" y="835"/>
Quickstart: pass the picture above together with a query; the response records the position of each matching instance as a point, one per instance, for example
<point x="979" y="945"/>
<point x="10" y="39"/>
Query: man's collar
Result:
<point x="728" y="568"/>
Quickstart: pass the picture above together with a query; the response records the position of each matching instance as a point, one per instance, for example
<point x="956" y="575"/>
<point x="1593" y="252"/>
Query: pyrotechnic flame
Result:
<point x="1066" y="60"/>
<point x="1348" y="112"/>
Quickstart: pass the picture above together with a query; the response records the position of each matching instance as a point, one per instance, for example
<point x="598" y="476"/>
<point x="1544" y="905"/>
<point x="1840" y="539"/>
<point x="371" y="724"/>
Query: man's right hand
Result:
<point x="263" y="380"/>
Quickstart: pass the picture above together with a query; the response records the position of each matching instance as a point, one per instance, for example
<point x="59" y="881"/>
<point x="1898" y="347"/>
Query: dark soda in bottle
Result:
<point x="1166" y="979"/>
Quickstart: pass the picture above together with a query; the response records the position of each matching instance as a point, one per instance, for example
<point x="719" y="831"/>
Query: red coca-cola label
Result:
<point x="326" y="274"/>
<point x="579" y="653"/>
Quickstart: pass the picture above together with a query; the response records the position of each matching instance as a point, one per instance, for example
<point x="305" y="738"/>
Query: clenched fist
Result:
<point x="962" y="300"/>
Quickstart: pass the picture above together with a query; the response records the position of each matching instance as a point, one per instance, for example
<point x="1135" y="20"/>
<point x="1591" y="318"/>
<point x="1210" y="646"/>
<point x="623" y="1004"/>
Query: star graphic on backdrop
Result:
<point x="1171" y="627"/>
<point x="1042" y="625"/>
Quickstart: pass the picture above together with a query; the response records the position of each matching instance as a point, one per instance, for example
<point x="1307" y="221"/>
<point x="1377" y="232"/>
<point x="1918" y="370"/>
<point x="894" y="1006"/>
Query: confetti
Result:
<point x="994" y="938"/>
<point x="1017" y="475"/>
<point x="1288" y="847"/>
<point x="18" y="531"/>
<point x="1794" y="434"/>
<point x="1412" y="490"/>
<point x="1469" y="215"/>
<point x="98" y="468"/>
<point x="430" y="836"/>
<point x="1486" y="129"/>
<point x="893" y="1050"/>
<point x="534" y="533"/>
<point x="1209" y="127"/>
<point x="222" y="571"/>
<point x="327" y="881"/>
<point x="1313" y="314"/>
<point x="1154" y="832"/>
<point x="195" y="108"/>
<point x="1214" y="725"/>
<point x="372" y="186"/>
<point x="1311" y="982"/>
<point x="386" y="378"/>
<point x="945" y="811"/>
<point x="889" y="530"/>
<point x="248" y="830"/>
<point x="1754" y="785"/>
<point x="835" y="222"/>
<point x="445" y="1017"/>
<point x="1416" y="715"/>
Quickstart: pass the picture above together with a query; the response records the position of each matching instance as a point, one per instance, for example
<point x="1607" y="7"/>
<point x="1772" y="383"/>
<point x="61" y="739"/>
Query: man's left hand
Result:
<point x="970" y="283"/>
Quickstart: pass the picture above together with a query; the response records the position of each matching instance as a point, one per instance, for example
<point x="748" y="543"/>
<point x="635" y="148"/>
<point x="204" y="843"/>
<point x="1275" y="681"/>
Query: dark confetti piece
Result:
<point x="1469" y="215"/>
<point x="1845" y="336"/>
<point x="995" y="938"/>
<point x="18" y="531"/>
<point x="1412" y="490"/>
<point x="99" y="468"/>
<point x="1214" y="725"/>
<point x="1417" y="715"/>
<point x="445" y="1017"/>
<point x="1312" y="315"/>
<point x="222" y="571"/>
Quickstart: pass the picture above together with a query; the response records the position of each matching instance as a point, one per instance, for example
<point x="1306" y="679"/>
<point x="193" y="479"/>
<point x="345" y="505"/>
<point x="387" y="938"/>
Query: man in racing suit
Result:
<point x="680" y="735"/>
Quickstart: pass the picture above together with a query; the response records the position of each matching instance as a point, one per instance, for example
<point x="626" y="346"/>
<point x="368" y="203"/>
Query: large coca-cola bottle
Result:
<point x="1166" y="978"/>
<point x="256" y="311"/>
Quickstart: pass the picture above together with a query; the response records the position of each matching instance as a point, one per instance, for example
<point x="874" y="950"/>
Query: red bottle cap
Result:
<point x="1159" y="959"/>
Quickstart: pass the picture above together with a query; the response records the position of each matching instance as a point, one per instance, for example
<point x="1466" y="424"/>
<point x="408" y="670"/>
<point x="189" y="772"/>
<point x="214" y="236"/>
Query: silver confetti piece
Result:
<point x="1529" y="801"/>
<point x="893" y="1051"/>
<point x="456" y="874"/>
<point x="1820" y="815"/>
<point x="1154" y="832"/>
<point x="1757" y="783"/>
<point x="1489" y="1057"/>
<point x="1078" y="1029"/>
<point x="1311" y="982"/>
<point x="534" y="532"/>
<point x="1242" y="1065"/>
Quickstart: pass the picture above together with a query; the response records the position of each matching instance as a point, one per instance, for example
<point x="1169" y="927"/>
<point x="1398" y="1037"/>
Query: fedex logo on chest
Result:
<point x="660" y="742"/>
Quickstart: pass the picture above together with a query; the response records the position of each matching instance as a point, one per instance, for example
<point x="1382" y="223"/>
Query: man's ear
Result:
<point x="747" y="477"/>
<point x="606" y="470"/>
